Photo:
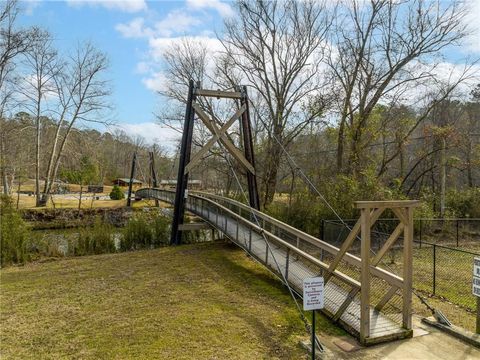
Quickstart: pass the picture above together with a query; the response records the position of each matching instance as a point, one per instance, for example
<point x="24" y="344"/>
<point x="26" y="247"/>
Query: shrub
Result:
<point x="307" y="210"/>
<point x="97" y="239"/>
<point x="116" y="193"/>
<point x="464" y="203"/>
<point x="161" y="230"/>
<point x="14" y="234"/>
<point x="143" y="231"/>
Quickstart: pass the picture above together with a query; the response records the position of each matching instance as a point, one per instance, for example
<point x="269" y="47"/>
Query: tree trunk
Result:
<point x="18" y="190"/>
<point x="469" y="165"/>
<point x="292" y="183"/>
<point x="443" y="177"/>
<point x="402" y="161"/>
<point x="340" y="144"/>
<point x="6" y="190"/>
<point x="80" y="198"/>
<point x="271" y="172"/>
<point x="50" y="167"/>
<point x="37" y="158"/>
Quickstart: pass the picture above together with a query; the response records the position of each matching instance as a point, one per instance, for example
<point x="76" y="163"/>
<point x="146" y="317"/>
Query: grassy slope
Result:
<point x="189" y="302"/>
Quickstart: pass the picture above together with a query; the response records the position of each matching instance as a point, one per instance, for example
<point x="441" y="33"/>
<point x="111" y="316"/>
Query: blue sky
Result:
<point x="134" y="34"/>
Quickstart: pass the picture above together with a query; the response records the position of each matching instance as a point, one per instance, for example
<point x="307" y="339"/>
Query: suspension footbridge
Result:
<point x="370" y="302"/>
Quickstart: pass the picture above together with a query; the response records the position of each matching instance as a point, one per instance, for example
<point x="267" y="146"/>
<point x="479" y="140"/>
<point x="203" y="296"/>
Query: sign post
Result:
<point x="313" y="300"/>
<point x="476" y="288"/>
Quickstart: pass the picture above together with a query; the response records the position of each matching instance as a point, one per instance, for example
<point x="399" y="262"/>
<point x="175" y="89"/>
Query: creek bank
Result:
<point x="43" y="219"/>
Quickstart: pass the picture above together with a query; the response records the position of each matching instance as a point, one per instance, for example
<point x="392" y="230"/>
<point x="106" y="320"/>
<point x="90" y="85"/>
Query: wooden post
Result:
<point x="477" y="329"/>
<point x="130" y="184"/>
<point x="365" y="276"/>
<point x="408" y="269"/>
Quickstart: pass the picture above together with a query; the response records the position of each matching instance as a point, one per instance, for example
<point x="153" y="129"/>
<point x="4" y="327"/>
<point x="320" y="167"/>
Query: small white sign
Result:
<point x="476" y="266"/>
<point x="476" y="286"/>
<point x="313" y="293"/>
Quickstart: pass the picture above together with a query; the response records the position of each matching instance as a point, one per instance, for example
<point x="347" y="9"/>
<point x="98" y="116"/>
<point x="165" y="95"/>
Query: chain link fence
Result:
<point x="442" y="256"/>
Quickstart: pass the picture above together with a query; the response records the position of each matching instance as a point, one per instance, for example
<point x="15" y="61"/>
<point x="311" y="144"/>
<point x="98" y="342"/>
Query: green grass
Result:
<point x="204" y="301"/>
<point x="453" y="288"/>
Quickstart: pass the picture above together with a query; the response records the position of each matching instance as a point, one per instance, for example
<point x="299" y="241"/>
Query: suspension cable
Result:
<point x="293" y="166"/>
<point x="307" y="325"/>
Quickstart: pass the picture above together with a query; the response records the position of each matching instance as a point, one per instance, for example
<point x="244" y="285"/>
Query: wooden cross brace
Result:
<point x="219" y="134"/>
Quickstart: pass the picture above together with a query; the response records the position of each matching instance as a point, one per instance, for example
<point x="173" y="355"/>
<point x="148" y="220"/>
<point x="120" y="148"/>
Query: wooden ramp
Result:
<point x="293" y="255"/>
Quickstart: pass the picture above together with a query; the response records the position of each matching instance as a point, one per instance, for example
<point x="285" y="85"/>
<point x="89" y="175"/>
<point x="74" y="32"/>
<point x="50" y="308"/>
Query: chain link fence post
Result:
<point x="434" y="268"/>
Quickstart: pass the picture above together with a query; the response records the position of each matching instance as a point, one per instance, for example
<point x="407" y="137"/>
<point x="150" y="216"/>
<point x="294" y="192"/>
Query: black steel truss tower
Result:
<point x="186" y="163"/>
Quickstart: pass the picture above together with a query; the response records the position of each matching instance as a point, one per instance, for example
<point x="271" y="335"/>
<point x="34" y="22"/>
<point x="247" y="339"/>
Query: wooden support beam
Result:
<point x="386" y="298"/>
<point x="199" y="155"/>
<point x="401" y="214"/>
<point x="222" y="138"/>
<point x="390" y="241"/>
<point x="219" y="94"/>
<point x="408" y="270"/>
<point x="346" y="302"/>
<point x="365" y="275"/>
<point x="391" y="204"/>
<point x="374" y="215"/>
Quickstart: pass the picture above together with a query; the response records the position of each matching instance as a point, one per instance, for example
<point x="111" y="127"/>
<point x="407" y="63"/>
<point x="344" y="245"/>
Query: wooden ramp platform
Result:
<point x="292" y="262"/>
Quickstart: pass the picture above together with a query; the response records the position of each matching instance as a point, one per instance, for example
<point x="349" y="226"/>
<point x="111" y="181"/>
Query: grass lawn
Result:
<point x="206" y="301"/>
<point x="28" y="202"/>
<point x="453" y="282"/>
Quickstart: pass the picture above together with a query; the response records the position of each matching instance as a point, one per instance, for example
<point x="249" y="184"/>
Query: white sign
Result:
<point x="476" y="286"/>
<point x="476" y="266"/>
<point x="476" y="277"/>
<point x="313" y="293"/>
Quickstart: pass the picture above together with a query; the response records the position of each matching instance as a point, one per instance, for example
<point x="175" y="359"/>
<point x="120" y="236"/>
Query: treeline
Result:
<point x="49" y="103"/>
<point x="357" y="97"/>
<point x="101" y="156"/>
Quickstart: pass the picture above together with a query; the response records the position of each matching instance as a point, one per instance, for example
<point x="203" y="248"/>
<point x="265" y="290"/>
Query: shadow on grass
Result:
<point x="268" y="284"/>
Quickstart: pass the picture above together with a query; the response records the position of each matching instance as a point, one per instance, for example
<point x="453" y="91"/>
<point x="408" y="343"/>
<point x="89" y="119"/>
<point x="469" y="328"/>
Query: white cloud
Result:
<point x="142" y="67"/>
<point x="30" y="6"/>
<point x="156" y="82"/>
<point x="223" y="9"/>
<point x="134" y="29"/>
<point x="152" y="133"/>
<point x="158" y="45"/>
<point x="130" y="6"/>
<point x="473" y="22"/>
<point x="175" y="22"/>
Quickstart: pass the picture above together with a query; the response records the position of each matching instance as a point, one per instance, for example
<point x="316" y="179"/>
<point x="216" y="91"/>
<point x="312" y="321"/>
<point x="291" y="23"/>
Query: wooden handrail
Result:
<point x="386" y="204"/>
<point x="351" y="259"/>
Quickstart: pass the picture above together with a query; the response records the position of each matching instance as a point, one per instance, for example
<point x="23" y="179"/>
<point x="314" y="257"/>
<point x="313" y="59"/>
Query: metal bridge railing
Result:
<point x="295" y="255"/>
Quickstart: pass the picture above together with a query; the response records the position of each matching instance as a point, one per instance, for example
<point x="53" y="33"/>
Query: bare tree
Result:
<point x="82" y="95"/>
<point x="36" y="86"/>
<point x="192" y="59"/>
<point x="381" y="48"/>
<point x="277" y="48"/>
<point x="13" y="42"/>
